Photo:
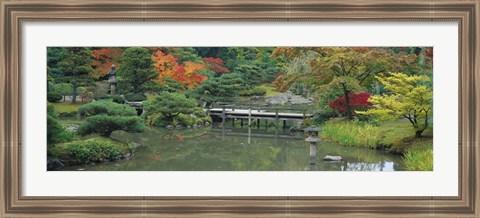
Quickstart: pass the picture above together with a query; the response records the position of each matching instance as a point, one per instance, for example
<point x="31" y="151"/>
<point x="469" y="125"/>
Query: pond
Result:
<point x="238" y="149"/>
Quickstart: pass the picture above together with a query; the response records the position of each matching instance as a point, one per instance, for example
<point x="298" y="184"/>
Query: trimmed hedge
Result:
<point x="104" y="124"/>
<point x="54" y="96"/>
<point x="68" y="114"/>
<point x="118" y="99"/>
<point x="104" y="117"/>
<point x="106" y="107"/>
<point x="96" y="149"/>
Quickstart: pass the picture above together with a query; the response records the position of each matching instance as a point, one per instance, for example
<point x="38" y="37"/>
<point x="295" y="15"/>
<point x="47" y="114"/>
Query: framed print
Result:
<point x="234" y="108"/>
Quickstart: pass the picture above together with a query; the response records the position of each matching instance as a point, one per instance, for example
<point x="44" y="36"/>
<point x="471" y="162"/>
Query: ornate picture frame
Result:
<point x="14" y="13"/>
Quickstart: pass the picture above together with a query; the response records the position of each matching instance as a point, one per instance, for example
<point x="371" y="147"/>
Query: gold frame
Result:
<point x="14" y="12"/>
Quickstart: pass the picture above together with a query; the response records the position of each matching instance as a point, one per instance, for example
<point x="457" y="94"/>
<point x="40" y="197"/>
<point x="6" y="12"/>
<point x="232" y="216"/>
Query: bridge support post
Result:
<point x="258" y="123"/>
<point x="223" y="116"/>
<point x="266" y="124"/>
<point x="276" y="118"/>
<point x="249" y="117"/>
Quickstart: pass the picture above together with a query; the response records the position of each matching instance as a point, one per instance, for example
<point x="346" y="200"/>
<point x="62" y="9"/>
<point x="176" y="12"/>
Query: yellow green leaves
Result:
<point x="407" y="98"/>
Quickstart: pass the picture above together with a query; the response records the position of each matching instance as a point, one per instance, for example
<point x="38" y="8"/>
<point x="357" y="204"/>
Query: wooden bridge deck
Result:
<point x="256" y="114"/>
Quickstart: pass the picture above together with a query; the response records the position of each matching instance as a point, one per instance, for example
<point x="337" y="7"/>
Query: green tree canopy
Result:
<point x="409" y="99"/>
<point x="136" y="69"/>
<point x="345" y="69"/>
<point x="250" y="73"/>
<point x="106" y="107"/>
<point x="71" y="65"/>
<point x="169" y="105"/>
<point x="104" y="117"/>
<point x="217" y="89"/>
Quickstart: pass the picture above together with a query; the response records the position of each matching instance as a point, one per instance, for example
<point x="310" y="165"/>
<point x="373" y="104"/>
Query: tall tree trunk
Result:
<point x="347" y="102"/>
<point x="74" y="93"/>
<point x="418" y="133"/>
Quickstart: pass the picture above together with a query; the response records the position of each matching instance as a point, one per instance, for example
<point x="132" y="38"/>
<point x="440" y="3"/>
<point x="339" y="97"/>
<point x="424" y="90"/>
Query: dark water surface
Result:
<point x="235" y="149"/>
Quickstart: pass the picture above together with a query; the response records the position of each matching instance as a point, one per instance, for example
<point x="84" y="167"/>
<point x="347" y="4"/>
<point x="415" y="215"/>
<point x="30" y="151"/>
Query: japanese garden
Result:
<point x="240" y="108"/>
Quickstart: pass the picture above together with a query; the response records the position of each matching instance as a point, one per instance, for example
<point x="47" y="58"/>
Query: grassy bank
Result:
<point x="353" y="134"/>
<point x="395" y="136"/>
<point x="62" y="107"/>
<point x="269" y="90"/>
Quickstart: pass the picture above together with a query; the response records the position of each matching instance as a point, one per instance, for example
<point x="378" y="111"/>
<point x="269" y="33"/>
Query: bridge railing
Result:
<point x="265" y="107"/>
<point x="226" y="110"/>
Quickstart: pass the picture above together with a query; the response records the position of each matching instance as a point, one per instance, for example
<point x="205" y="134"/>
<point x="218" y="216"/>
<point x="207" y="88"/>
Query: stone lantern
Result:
<point x="112" y="80"/>
<point x="312" y="138"/>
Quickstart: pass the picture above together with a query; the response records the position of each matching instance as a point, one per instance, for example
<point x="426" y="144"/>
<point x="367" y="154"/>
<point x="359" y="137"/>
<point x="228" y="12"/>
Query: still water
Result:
<point x="238" y="149"/>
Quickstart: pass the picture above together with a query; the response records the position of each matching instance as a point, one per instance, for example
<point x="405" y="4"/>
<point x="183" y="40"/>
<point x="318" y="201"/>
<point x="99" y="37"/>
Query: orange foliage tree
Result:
<point x="168" y="66"/>
<point x="103" y="60"/>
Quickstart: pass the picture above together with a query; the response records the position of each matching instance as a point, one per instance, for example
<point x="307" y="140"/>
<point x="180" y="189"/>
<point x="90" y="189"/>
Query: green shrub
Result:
<point x="160" y="121"/>
<point x="323" y="115"/>
<point x="106" y="107"/>
<point x="96" y="149"/>
<point x="185" y="120"/>
<point x="199" y="112"/>
<point x="368" y="119"/>
<point x="56" y="133"/>
<point x="351" y="133"/>
<point x="207" y="119"/>
<point x="169" y="105"/>
<point x="104" y="117"/>
<point x="135" y="97"/>
<point x="54" y="96"/>
<point x="246" y="92"/>
<point x="182" y="119"/>
<point x="418" y="160"/>
<point x="307" y="122"/>
<point x="104" y="124"/>
<point x="118" y="99"/>
<point x="68" y="114"/>
<point x="51" y="110"/>
<point x="258" y="91"/>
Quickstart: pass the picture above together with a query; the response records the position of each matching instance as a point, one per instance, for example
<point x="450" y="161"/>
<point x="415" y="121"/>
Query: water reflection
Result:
<point x="239" y="149"/>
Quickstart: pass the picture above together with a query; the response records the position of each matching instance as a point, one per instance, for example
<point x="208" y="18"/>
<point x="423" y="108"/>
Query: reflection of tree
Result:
<point x="258" y="157"/>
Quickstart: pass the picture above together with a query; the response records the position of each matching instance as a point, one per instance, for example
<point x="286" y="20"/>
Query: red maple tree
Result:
<point x="357" y="101"/>
<point x="215" y="64"/>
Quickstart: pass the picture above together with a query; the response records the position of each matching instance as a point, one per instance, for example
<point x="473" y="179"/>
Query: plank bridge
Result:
<point x="258" y="113"/>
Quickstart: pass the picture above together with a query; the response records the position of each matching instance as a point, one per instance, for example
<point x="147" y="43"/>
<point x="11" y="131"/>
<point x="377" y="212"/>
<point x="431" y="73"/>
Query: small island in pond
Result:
<point x="240" y="108"/>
